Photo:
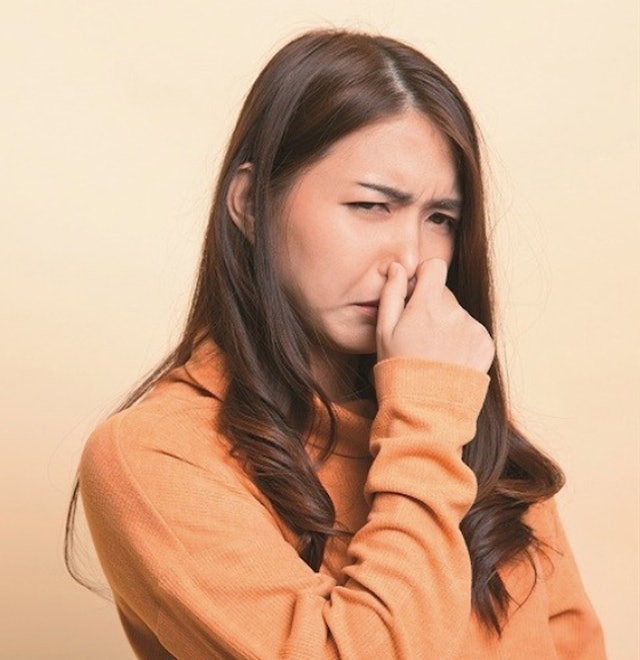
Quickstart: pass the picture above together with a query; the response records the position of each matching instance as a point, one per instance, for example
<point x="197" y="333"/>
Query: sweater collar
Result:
<point x="207" y="368"/>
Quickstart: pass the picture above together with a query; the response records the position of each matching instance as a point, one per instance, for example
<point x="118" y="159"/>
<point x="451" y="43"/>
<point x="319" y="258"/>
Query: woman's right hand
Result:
<point x="431" y="325"/>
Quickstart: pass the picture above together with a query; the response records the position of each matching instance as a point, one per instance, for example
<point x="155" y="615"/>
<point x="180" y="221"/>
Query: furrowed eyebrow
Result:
<point x="447" y="204"/>
<point x="453" y="204"/>
<point x="392" y="193"/>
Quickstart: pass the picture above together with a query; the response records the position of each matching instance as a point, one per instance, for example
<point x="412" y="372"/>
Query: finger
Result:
<point x="392" y="297"/>
<point x="431" y="279"/>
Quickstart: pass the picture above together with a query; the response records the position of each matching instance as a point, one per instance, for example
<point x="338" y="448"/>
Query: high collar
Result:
<point x="207" y="369"/>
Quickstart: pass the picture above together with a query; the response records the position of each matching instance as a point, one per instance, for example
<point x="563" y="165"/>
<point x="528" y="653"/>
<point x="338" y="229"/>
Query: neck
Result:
<point x="336" y="373"/>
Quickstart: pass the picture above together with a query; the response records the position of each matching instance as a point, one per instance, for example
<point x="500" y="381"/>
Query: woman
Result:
<point x="323" y="467"/>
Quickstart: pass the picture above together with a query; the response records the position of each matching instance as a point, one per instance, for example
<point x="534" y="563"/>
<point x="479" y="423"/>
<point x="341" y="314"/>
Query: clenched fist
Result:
<point x="432" y="325"/>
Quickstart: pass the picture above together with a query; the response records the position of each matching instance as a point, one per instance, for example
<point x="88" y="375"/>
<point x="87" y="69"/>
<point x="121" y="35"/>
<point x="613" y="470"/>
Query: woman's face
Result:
<point x="387" y="192"/>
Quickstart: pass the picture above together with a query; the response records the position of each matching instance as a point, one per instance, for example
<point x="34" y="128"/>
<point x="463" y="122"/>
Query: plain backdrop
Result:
<point x="114" y="118"/>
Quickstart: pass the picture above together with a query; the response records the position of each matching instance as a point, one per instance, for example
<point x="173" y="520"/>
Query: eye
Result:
<point x="369" y="206"/>
<point x="444" y="220"/>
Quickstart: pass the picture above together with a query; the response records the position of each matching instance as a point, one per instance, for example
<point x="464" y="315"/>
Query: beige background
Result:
<point x="114" y="115"/>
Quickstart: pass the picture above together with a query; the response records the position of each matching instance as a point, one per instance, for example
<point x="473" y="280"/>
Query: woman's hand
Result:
<point x="432" y="325"/>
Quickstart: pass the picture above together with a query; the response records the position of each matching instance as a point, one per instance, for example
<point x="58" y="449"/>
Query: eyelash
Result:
<point x="436" y="218"/>
<point x="369" y="206"/>
<point x="445" y="219"/>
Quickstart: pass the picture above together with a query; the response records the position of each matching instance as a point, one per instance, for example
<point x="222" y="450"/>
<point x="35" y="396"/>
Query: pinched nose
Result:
<point x="411" y="285"/>
<point x="407" y="253"/>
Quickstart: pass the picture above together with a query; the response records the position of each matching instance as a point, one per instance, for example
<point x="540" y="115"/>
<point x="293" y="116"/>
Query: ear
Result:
<point x="239" y="202"/>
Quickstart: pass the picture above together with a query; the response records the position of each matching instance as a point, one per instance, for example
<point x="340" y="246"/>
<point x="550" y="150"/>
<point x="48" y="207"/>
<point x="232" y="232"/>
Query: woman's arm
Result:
<point x="200" y="558"/>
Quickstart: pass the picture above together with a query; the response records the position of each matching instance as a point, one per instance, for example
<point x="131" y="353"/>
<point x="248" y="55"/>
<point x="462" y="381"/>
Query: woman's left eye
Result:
<point x="443" y="219"/>
<point x="369" y="206"/>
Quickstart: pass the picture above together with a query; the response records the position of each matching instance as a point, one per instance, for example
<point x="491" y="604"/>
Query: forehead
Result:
<point x="406" y="150"/>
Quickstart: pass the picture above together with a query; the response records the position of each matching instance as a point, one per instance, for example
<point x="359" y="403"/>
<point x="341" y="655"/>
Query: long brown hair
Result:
<point x="319" y="88"/>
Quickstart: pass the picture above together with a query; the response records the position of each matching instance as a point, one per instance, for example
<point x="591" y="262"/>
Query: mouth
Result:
<point x="369" y="308"/>
<point x="369" y="304"/>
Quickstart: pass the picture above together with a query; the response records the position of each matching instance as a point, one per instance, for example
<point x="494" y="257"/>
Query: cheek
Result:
<point x="323" y="252"/>
<point x="310" y="265"/>
<point x="440" y="246"/>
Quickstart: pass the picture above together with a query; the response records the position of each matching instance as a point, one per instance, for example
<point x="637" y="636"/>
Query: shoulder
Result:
<point x="169" y="435"/>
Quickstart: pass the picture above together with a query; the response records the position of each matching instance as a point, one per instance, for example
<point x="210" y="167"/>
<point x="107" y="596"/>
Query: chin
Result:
<point x="353" y="343"/>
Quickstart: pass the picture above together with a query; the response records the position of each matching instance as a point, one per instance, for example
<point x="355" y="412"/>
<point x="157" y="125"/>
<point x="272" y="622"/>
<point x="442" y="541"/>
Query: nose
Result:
<point x="404" y="248"/>
<point x="411" y="285"/>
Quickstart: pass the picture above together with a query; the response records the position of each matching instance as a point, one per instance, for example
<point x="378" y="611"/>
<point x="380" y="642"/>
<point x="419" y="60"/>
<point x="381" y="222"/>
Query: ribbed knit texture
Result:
<point x="201" y="567"/>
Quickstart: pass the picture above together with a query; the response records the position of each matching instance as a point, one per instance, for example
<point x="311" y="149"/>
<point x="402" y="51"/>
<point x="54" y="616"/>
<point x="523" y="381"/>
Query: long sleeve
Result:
<point x="195" y="555"/>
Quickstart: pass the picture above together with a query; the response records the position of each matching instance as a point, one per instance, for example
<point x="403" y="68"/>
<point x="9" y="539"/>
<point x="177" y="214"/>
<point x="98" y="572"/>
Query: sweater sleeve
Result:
<point x="204" y="564"/>
<point x="573" y="623"/>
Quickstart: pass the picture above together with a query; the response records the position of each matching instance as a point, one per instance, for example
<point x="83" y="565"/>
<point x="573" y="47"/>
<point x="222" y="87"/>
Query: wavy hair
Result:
<point x="319" y="88"/>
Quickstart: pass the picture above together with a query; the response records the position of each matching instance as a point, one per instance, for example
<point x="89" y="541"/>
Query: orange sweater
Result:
<point x="201" y="567"/>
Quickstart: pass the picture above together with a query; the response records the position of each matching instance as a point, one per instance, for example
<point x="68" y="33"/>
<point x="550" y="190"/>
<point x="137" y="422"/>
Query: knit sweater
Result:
<point x="201" y="566"/>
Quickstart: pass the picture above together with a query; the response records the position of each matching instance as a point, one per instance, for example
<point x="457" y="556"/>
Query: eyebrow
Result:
<point x="452" y="204"/>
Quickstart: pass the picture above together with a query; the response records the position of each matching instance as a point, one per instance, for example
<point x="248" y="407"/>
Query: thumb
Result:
<point x="431" y="281"/>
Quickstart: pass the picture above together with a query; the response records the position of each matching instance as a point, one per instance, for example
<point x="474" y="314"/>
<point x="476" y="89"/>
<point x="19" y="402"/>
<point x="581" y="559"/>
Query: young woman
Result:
<point x="324" y="468"/>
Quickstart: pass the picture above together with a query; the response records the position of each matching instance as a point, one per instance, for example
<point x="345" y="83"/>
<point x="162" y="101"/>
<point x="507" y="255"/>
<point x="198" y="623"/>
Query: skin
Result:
<point x="368" y="227"/>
